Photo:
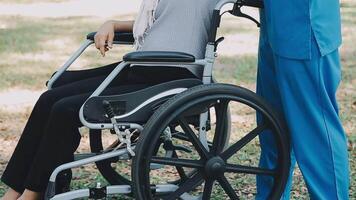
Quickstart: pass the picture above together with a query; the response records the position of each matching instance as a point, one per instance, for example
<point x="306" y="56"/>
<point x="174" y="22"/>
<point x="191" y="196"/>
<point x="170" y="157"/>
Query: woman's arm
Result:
<point x="105" y="35"/>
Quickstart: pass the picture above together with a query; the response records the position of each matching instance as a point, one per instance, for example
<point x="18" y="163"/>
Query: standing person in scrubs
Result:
<point x="299" y="73"/>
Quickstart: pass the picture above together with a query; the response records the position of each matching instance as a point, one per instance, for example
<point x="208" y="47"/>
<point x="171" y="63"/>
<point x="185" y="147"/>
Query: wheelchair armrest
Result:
<point x="158" y="56"/>
<point x="120" y="37"/>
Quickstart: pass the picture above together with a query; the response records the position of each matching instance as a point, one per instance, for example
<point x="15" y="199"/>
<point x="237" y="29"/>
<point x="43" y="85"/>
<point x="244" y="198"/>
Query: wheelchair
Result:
<point x="183" y="130"/>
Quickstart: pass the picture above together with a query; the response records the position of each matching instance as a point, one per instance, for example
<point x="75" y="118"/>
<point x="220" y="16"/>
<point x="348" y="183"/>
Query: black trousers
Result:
<point x="51" y="134"/>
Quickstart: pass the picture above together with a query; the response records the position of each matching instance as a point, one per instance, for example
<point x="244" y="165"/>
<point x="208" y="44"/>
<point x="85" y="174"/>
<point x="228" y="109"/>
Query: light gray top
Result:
<point x="181" y="25"/>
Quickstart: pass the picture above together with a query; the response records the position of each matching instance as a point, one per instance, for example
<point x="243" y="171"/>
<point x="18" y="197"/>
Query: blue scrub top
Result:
<point x="291" y="24"/>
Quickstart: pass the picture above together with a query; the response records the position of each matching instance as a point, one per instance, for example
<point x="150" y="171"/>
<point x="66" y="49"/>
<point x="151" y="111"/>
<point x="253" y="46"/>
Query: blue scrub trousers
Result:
<point x="304" y="93"/>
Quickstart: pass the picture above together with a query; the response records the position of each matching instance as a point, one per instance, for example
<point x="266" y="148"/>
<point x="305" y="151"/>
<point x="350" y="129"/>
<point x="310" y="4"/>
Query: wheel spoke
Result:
<point x="177" y="162"/>
<point x="208" y="187"/>
<point x="221" y="111"/>
<point x="242" y="142"/>
<point x="183" y="176"/>
<point x="180" y="136"/>
<point x="249" y="170"/>
<point x="186" y="186"/>
<point x="194" y="139"/>
<point x="227" y="188"/>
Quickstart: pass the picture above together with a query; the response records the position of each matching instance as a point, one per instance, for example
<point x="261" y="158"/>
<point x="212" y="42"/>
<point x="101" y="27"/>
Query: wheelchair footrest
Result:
<point x="97" y="193"/>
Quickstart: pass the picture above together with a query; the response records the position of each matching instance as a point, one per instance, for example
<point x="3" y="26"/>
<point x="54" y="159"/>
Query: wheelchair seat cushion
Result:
<point x="158" y="56"/>
<point x="135" y="107"/>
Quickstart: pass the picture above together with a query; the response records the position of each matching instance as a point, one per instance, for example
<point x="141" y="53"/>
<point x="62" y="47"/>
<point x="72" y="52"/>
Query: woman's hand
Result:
<point x="104" y="37"/>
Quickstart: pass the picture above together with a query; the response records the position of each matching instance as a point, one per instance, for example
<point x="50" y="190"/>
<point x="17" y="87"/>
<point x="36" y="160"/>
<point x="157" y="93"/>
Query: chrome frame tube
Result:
<point x="69" y="62"/>
<point x="73" y="58"/>
<point x="152" y="99"/>
<point x="109" y="79"/>
<point x="72" y="195"/>
<point x="86" y="161"/>
<point x="222" y="3"/>
<point x="210" y="56"/>
<point x="203" y="118"/>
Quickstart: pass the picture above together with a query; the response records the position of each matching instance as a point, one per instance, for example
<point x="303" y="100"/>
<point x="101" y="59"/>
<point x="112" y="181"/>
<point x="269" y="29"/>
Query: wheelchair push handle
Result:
<point x="236" y="11"/>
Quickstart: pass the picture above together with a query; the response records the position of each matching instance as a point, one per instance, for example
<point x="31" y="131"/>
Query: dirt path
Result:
<point x="18" y="98"/>
<point x="102" y="8"/>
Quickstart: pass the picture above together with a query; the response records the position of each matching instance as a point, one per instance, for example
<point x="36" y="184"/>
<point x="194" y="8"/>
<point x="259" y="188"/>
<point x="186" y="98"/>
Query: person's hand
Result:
<point x="104" y="37"/>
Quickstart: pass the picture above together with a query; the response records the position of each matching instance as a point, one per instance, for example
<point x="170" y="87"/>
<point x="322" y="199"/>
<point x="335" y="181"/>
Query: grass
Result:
<point x="237" y="70"/>
<point x="31" y="49"/>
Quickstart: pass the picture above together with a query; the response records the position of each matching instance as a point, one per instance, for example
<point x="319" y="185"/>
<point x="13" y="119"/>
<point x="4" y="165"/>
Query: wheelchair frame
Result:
<point x="207" y="79"/>
<point x="207" y="63"/>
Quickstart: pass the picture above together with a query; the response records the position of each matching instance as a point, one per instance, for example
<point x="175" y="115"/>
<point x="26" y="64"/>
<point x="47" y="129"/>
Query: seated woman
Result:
<point x="51" y="134"/>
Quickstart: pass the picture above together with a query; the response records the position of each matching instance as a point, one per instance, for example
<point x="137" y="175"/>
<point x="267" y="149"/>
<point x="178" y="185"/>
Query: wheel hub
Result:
<point x="215" y="167"/>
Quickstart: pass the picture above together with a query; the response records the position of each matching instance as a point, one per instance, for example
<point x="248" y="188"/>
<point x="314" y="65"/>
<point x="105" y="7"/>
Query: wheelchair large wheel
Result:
<point x="108" y="169"/>
<point x="214" y="170"/>
<point x="110" y="172"/>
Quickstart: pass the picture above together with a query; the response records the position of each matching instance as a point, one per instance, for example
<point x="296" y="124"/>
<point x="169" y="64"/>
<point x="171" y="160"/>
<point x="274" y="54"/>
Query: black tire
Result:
<point x="177" y="107"/>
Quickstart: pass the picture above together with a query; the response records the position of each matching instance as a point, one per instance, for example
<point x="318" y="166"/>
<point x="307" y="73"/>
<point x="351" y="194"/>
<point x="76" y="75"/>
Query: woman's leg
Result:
<point x="61" y="137"/>
<point x="18" y="166"/>
<point x="11" y="195"/>
<point x="78" y="75"/>
<point x="35" y="146"/>
<point x="30" y="195"/>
